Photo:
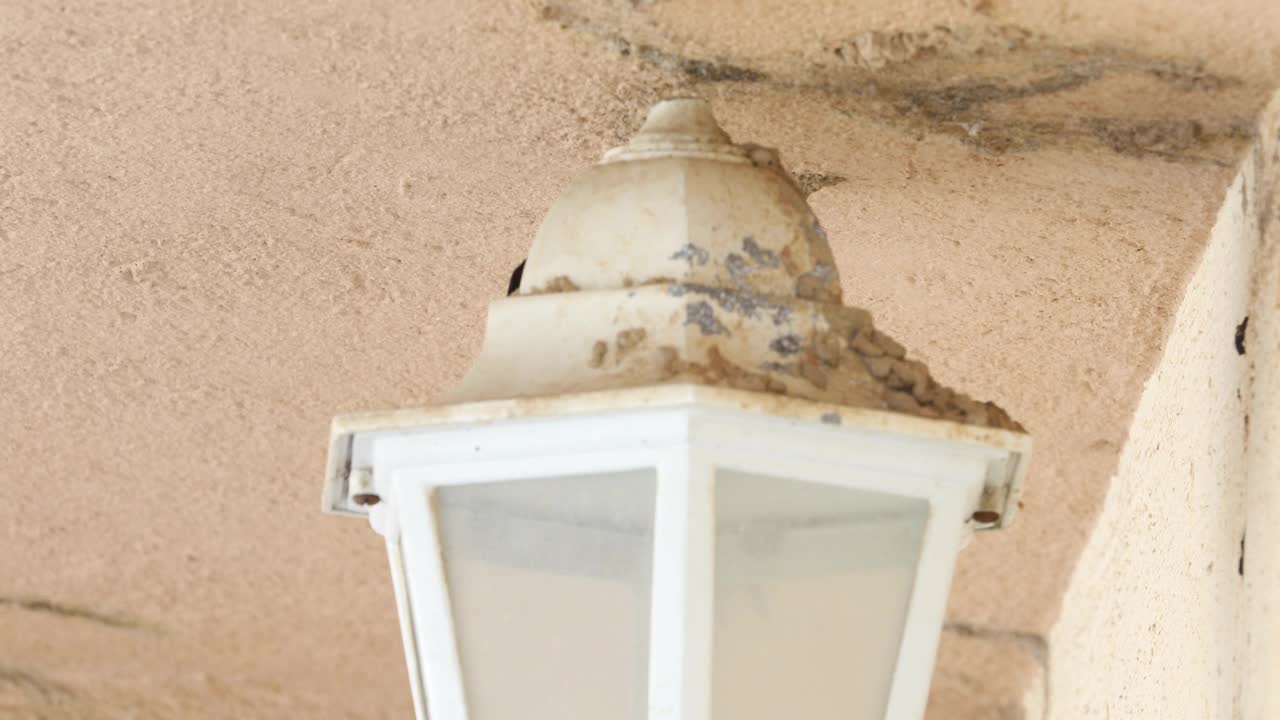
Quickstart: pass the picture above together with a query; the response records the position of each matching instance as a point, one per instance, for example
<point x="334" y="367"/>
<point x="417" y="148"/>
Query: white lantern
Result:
<point x="682" y="481"/>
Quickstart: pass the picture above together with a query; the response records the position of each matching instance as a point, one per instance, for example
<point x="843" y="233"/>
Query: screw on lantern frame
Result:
<point x="685" y="444"/>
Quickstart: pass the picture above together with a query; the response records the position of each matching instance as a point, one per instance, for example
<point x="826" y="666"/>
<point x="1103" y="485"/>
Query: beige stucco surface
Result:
<point x="1261" y="649"/>
<point x="1152" y="624"/>
<point x="222" y="224"/>
<point x="1171" y="609"/>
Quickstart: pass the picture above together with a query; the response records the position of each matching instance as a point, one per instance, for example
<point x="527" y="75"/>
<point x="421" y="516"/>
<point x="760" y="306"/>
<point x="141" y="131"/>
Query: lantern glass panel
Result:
<point x="812" y="587"/>
<point x="549" y="581"/>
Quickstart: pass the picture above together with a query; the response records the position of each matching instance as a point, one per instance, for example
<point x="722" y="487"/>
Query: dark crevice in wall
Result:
<point x="32" y="684"/>
<point x="981" y="85"/>
<point x="696" y="69"/>
<point x="812" y="182"/>
<point x="513" y="284"/>
<point x="41" y="605"/>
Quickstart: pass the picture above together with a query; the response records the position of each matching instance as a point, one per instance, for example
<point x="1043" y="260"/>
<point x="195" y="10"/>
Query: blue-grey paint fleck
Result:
<point x="786" y="345"/>
<point x="767" y="258"/>
<point x="701" y="313"/>
<point x="692" y="254"/>
<point x="737" y="266"/>
<point x="739" y="302"/>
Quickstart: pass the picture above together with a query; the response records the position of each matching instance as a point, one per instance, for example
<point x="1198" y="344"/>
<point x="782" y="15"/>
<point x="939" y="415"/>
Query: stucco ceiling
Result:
<point x="223" y="223"/>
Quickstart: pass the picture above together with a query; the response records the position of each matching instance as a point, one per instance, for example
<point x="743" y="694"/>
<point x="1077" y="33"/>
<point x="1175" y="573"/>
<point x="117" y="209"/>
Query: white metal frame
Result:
<point x="685" y="444"/>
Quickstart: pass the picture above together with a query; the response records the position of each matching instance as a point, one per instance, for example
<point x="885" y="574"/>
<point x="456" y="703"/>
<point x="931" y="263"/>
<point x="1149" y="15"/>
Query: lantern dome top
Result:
<point x="683" y="258"/>
<point x="681" y="203"/>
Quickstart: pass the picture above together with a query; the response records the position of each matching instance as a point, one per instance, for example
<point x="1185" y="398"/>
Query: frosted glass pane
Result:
<point x="811" y="590"/>
<point x="549" y="581"/>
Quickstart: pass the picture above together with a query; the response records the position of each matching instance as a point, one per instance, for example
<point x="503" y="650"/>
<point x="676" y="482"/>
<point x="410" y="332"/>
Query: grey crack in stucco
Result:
<point x="33" y="684"/>
<point x="41" y="605"/>
<point x="908" y="94"/>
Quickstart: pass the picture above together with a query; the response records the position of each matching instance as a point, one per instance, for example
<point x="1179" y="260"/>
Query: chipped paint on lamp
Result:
<point x="683" y="258"/>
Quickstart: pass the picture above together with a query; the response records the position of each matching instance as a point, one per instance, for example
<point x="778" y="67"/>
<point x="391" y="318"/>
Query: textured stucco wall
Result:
<point x="1262" y="539"/>
<point x="1149" y="628"/>
<point x="222" y="223"/>
<point x="1156" y="622"/>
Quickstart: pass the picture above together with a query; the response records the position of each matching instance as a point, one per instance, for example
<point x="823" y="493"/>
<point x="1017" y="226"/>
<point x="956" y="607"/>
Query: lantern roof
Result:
<point x="687" y="270"/>
<point x="683" y="258"/>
